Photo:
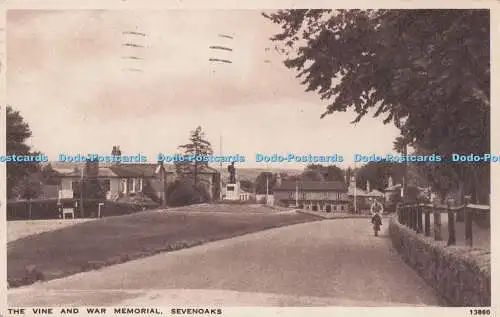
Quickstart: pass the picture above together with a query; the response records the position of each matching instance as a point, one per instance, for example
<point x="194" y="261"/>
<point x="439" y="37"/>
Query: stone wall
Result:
<point x="462" y="276"/>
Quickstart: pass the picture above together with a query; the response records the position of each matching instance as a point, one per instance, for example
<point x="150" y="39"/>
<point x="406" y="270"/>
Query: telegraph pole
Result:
<point x="81" y="192"/>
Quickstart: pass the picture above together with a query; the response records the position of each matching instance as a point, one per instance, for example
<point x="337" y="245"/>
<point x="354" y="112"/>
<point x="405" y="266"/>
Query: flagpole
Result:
<point x="355" y="186"/>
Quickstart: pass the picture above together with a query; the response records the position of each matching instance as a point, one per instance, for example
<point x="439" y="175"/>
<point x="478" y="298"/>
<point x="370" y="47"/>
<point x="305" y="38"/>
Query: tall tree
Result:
<point x="18" y="132"/>
<point x="426" y="71"/>
<point x="116" y="150"/>
<point x="197" y="147"/>
<point x="377" y="173"/>
<point x="92" y="186"/>
<point x="265" y="182"/>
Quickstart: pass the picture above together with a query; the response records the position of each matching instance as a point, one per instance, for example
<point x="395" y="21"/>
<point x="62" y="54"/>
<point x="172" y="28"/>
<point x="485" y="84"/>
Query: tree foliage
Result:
<point x="318" y="172"/>
<point x="261" y="182"/>
<point x="197" y="146"/>
<point x="425" y="71"/>
<point x="377" y="173"/>
<point x="247" y="185"/>
<point x="92" y="187"/>
<point x="18" y="132"/>
<point x="30" y="187"/>
<point x="49" y="176"/>
<point x="184" y="192"/>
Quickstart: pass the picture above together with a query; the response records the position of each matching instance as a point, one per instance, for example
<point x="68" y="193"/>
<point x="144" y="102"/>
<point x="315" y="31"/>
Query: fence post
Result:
<point x="468" y="222"/>
<point x="419" y="218"/>
<point x="405" y="215"/>
<point x="437" y="222"/>
<point x="30" y="209"/>
<point x="415" y="217"/>
<point x="427" y="221"/>
<point x="402" y="213"/>
<point x="409" y="214"/>
<point x="451" y="224"/>
<point x="399" y="211"/>
<point x="412" y="219"/>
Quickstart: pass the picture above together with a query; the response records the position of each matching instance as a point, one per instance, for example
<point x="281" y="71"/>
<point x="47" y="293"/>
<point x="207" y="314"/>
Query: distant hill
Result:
<point x="252" y="173"/>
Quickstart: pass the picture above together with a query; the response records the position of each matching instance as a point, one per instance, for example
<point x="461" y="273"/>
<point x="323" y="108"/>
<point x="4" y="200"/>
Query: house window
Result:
<point x="123" y="185"/>
<point x="139" y="185"/>
<point x="230" y="188"/>
<point x="105" y="184"/>
<point x="76" y="185"/>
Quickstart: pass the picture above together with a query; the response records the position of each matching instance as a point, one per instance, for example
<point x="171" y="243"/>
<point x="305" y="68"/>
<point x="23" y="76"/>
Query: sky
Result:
<point x="68" y="77"/>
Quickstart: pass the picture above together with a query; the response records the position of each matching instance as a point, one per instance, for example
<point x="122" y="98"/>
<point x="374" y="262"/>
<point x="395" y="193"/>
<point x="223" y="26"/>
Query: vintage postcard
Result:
<point x="298" y="159"/>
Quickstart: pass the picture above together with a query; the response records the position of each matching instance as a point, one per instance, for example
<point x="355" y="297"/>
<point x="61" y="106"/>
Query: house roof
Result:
<point x="359" y="192"/>
<point x="311" y="186"/>
<point x="126" y="170"/>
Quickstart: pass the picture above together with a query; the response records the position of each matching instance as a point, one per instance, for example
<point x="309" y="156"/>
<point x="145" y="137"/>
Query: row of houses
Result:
<point x="125" y="180"/>
<point x="328" y="196"/>
<point x="121" y="181"/>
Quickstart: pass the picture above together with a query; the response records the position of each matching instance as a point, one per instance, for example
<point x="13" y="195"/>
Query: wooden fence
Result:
<point x="418" y="217"/>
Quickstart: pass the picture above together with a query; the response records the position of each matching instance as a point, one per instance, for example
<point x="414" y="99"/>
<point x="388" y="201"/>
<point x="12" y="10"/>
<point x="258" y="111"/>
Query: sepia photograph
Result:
<point x="247" y="158"/>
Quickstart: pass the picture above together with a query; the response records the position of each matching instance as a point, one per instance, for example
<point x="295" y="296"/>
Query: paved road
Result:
<point x="325" y="263"/>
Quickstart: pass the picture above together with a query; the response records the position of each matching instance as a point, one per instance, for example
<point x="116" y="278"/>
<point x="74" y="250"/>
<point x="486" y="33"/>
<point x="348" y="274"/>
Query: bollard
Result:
<point x="451" y="224"/>
<point x="437" y="223"/>
<point x="427" y="221"/>
<point x="468" y="213"/>
<point x="99" y="211"/>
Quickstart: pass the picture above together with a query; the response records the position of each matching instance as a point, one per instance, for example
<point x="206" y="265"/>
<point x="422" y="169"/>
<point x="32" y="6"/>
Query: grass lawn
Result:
<point x="232" y="208"/>
<point x="22" y="228"/>
<point x="107" y="241"/>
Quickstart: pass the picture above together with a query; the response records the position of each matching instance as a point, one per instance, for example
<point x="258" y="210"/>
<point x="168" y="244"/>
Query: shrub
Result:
<point x="184" y="192"/>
